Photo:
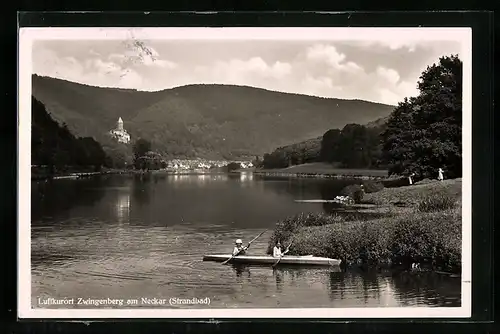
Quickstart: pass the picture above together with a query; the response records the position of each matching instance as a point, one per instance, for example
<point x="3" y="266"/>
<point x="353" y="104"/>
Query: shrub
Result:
<point x="422" y="237"/>
<point x="372" y="186"/>
<point x="233" y="166"/>
<point x="354" y="191"/>
<point x="436" y="202"/>
<point x="395" y="183"/>
<point x="428" y="237"/>
<point x="290" y="225"/>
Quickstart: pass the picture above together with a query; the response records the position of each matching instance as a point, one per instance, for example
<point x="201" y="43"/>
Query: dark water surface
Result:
<point x="123" y="237"/>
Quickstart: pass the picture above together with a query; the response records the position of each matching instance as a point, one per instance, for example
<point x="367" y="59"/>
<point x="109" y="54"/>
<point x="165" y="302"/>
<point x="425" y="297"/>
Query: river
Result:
<point x="126" y="237"/>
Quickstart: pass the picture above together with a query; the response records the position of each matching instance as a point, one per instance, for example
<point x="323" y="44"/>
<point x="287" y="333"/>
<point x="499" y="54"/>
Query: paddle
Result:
<point x="246" y="247"/>
<point x="282" y="254"/>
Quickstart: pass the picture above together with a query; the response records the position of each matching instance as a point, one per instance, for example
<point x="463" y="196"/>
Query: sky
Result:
<point x="378" y="69"/>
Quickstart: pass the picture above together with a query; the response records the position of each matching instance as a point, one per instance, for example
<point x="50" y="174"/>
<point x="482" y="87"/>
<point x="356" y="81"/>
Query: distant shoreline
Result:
<point x="311" y="170"/>
<point x="81" y="175"/>
<point x="323" y="170"/>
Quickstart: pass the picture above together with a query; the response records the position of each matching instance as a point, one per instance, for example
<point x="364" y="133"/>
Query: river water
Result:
<point x="125" y="237"/>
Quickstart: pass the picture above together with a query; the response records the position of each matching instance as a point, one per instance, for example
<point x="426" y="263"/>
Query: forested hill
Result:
<point x="54" y="146"/>
<point x="209" y="121"/>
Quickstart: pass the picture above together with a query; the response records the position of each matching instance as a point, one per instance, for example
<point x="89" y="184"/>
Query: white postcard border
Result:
<point x="28" y="35"/>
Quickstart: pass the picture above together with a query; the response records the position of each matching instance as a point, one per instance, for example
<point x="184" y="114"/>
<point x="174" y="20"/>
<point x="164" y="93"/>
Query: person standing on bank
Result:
<point x="239" y="249"/>
<point x="440" y="174"/>
<point x="410" y="178"/>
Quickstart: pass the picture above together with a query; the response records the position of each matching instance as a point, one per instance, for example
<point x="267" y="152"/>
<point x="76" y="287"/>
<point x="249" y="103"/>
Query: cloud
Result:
<point x="368" y="70"/>
<point x="388" y="74"/>
<point x="132" y="68"/>
<point x="137" y="58"/>
<point x="393" y="44"/>
<point x="325" y="53"/>
<point x="236" y="71"/>
<point x="92" y="71"/>
<point x="327" y="72"/>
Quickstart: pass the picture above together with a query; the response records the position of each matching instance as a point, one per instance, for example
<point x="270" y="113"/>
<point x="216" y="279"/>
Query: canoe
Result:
<point x="290" y="260"/>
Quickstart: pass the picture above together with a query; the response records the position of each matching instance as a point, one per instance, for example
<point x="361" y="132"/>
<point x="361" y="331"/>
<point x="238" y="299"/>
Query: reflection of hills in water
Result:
<point x="60" y="196"/>
<point x="350" y="283"/>
<point x="158" y="200"/>
<point x="128" y="236"/>
<point x="392" y="288"/>
<point x="352" y="288"/>
<point x="440" y="290"/>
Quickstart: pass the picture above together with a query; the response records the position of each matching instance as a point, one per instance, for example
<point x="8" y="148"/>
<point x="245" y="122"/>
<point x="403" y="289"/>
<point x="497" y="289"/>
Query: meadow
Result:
<point x="323" y="168"/>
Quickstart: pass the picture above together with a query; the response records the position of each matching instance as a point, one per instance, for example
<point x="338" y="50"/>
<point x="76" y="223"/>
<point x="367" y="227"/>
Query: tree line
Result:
<point x="422" y="134"/>
<point x="354" y="146"/>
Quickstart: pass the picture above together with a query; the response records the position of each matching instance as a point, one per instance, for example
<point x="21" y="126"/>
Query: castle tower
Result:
<point x="119" y="133"/>
<point x="120" y="124"/>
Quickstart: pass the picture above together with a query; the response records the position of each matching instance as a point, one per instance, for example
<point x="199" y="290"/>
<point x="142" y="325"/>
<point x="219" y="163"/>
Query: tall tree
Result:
<point x="141" y="148"/>
<point x="329" y="145"/>
<point x="425" y="132"/>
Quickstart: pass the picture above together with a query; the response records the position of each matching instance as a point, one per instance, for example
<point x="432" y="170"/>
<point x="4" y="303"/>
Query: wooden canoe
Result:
<point x="266" y="259"/>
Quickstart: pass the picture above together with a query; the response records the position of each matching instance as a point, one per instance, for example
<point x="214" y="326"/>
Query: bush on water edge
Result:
<point x="396" y="182"/>
<point x="357" y="191"/>
<point x="423" y="237"/>
<point x="370" y="186"/>
<point x="354" y="191"/>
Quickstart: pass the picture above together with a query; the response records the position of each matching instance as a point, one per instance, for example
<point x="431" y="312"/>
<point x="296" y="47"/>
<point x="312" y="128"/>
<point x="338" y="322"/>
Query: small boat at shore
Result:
<point x="263" y="259"/>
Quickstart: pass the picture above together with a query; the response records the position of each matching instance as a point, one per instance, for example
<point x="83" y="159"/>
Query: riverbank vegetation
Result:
<point x="421" y="224"/>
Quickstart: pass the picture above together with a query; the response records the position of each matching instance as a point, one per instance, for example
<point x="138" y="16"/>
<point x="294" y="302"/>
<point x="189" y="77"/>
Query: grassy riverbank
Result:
<point x="421" y="223"/>
<point x="322" y="169"/>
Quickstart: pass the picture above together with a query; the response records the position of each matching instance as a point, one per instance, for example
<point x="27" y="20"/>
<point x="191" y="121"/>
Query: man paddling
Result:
<point x="239" y="249"/>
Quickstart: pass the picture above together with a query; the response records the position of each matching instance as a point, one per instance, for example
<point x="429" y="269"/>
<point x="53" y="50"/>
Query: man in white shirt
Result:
<point x="239" y="249"/>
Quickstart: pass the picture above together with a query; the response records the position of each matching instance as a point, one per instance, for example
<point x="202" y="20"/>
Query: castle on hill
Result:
<point x="119" y="133"/>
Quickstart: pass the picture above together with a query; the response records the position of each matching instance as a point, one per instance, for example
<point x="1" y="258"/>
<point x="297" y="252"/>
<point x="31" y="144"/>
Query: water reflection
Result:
<point x="60" y="197"/>
<point x="195" y="179"/>
<point x="131" y="236"/>
<point x="241" y="270"/>
<point x="123" y="207"/>
<point x="142" y="190"/>
<point x="440" y="290"/>
<point x="246" y="176"/>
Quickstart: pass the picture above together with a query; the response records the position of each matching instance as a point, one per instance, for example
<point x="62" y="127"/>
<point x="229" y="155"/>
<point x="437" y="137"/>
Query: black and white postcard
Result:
<point x="245" y="172"/>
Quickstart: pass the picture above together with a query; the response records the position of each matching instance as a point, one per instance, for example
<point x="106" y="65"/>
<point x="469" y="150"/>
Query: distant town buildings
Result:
<point x="202" y="164"/>
<point x="119" y="133"/>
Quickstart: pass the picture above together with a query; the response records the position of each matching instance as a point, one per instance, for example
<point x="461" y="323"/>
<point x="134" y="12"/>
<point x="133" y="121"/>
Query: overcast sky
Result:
<point x="375" y="70"/>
